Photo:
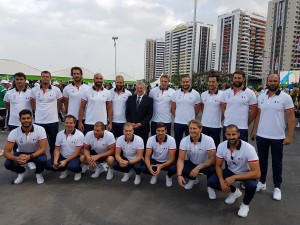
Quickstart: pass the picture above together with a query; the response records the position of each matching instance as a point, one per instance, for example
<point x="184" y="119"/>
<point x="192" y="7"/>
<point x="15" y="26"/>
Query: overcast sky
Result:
<point x="56" y="34"/>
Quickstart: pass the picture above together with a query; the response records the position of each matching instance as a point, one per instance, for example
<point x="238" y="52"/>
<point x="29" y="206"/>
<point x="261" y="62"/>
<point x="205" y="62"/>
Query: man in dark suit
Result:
<point x="139" y="109"/>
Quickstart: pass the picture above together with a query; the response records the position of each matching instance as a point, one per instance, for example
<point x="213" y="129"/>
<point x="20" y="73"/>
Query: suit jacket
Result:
<point x="143" y="115"/>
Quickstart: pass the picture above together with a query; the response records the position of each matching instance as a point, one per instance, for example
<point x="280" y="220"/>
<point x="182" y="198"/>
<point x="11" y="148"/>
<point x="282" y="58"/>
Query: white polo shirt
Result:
<point x="69" y="143"/>
<point x="272" y="121"/>
<point x="162" y="100"/>
<point x="99" y="145"/>
<point x="27" y="143"/>
<point x="211" y="116"/>
<point x="130" y="148"/>
<point x="96" y="105"/>
<point x="74" y="94"/>
<point x="185" y="105"/>
<point x="46" y="104"/>
<point x="119" y="105"/>
<point x="160" y="152"/>
<point x="237" y="106"/>
<point x="18" y="101"/>
<point x="238" y="160"/>
<point x="197" y="153"/>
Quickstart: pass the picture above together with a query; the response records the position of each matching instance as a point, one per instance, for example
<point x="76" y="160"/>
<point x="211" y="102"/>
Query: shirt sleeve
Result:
<point x="7" y="97"/>
<point x="58" y="93"/>
<point x="172" y="143"/>
<point x="12" y="137"/>
<point x="108" y="96"/>
<point x="149" y="143"/>
<point x="174" y="96"/>
<point x="210" y="144"/>
<point x="288" y="103"/>
<point x="140" y="143"/>
<point x="223" y="98"/>
<point x="183" y="145"/>
<point x="66" y="92"/>
<point x="119" y="142"/>
<point x="198" y="98"/>
<point x="111" y="139"/>
<point x="58" y="140"/>
<point x="220" y="150"/>
<point x="251" y="154"/>
<point x="252" y="98"/>
<point x="32" y="93"/>
<point x="80" y="139"/>
<point x="42" y="133"/>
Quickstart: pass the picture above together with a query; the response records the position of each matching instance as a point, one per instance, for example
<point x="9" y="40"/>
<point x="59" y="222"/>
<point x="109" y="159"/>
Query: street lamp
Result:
<point x="115" y="38"/>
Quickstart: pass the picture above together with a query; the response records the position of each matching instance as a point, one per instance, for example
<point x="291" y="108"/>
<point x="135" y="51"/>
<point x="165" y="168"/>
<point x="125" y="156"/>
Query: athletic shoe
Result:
<point x="243" y="211"/>
<point x="31" y="165"/>
<point x="261" y="186"/>
<point x="126" y="176"/>
<point x="298" y="124"/>
<point x="211" y="193"/>
<point x="39" y="178"/>
<point x="20" y="178"/>
<point x="191" y="183"/>
<point x="64" y="174"/>
<point x="277" y="194"/>
<point x="77" y="176"/>
<point x="99" y="169"/>
<point x="84" y="168"/>
<point x="137" y="179"/>
<point x="110" y="174"/>
<point x="233" y="196"/>
<point x="169" y="181"/>
<point x="153" y="180"/>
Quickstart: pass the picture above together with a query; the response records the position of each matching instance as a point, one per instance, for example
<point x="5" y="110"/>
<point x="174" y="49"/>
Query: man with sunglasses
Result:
<point x="242" y="165"/>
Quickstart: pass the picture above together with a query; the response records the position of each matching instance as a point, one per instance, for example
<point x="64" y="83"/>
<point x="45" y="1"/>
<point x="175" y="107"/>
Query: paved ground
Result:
<point x="112" y="202"/>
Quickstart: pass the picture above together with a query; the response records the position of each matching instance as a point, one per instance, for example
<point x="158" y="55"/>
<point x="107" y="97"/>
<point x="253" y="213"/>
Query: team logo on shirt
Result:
<point x="21" y="140"/>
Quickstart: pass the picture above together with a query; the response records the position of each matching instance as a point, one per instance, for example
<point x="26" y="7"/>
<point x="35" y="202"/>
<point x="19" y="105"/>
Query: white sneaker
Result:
<point x="233" y="196"/>
<point x="261" y="186"/>
<point x="211" y="193"/>
<point x="77" y="176"/>
<point x="126" y="176"/>
<point x="298" y="124"/>
<point x="153" y="180"/>
<point x="84" y="168"/>
<point x="277" y="194"/>
<point x="169" y="181"/>
<point x="137" y="179"/>
<point x="191" y="183"/>
<point x="105" y="166"/>
<point x="99" y="169"/>
<point x="39" y="178"/>
<point x="243" y="211"/>
<point x="64" y="174"/>
<point x="20" y="178"/>
<point x="31" y="165"/>
<point x="110" y="174"/>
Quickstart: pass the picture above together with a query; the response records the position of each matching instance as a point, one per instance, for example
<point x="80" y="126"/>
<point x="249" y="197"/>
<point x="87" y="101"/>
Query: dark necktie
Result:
<point x="138" y="102"/>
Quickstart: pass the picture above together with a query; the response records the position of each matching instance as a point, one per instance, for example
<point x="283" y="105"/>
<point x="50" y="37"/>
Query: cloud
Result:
<point x="64" y="33"/>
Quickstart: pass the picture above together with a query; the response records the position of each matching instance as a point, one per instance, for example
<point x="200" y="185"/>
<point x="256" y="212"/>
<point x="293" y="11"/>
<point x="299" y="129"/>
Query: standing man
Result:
<point x="99" y="147"/>
<point x="46" y="101"/>
<point x="200" y="151"/>
<point x="139" y="111"/>
<point x="185" y="107"/>
<point x="239" y="105"/>
<point x="119" y="97"/>
<point x="73" y="93"/>
<point x="160" y="155"/>
<point x="269" y="131"/>
<point x="242" y="165"/>
<point x="211" y="109"/>
<point x="129" y="153"/>
<point x="32" y="144"/>
<point x="162" y="99"/>
<point x="67" y="150"/>
<point x="96" y="102"/>
<point x="17" y="99"/>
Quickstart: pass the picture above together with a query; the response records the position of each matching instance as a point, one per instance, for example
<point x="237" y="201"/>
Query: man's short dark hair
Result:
<point x="232" y="126"/>
<point x="25" y="112"/>
<point x="46" y="71"/>
<point x="160" y="125"/>
<point x="20" y="74"/>
<point x="241" y="72"/>
<point x="72" y="117"/>
<point x="214" y="75"/>
<point x="76" y="68"/>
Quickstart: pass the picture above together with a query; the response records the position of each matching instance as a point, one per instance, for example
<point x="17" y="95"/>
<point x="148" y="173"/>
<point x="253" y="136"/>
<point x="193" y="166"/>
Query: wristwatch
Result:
<point x="31" y="156"/>
<point x="198" y="167"/>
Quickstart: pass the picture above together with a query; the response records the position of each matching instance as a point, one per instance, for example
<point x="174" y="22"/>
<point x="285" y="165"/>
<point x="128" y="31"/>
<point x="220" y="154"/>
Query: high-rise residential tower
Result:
<point x="240" y="42"/>
<point x="178" y="49"/>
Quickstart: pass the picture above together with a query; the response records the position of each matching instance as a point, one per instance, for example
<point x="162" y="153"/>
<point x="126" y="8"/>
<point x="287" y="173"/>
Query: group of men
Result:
<point x="97" y="117"/>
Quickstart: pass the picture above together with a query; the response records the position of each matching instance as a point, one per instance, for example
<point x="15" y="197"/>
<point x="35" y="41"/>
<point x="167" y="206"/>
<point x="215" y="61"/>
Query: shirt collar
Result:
<point x="165" y="140"/>
<point x="31" y="130"/>
<point x="73" y="83"/>
<point x="163" y="89"/>
<point x="214" y="93"/>
<point x="19" y="90"/>
<point x="190" y="90"/>
<point x="277" y="92"/>
<point x="72" y="132"/>
<point x="50" y="86"/>
<point x="238" y="147"/>
<point x="131" y="140"/>
<point x="94" y="88"/>
<point x="244" y="88"/>
<point x="199" y="140"/>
